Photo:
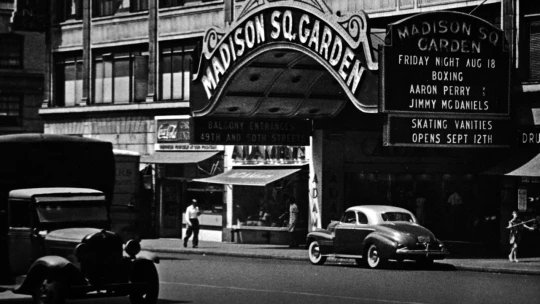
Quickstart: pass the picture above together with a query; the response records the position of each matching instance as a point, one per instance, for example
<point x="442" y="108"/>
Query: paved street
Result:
<point x="196" y="278"/>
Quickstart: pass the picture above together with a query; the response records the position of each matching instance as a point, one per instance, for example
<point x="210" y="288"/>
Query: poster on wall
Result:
<point x="522" y="199"/>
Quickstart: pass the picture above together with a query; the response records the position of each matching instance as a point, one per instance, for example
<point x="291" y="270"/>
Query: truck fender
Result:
<point x="47" y="267"/>
<point x="387" y="247"/>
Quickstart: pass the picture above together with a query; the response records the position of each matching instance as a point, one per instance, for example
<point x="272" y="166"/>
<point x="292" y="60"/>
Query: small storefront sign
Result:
<point x="223" y="131"/>
<point x="437" y="131"/>
<point x="528" y="137"/>
<point x="173" y="133"/>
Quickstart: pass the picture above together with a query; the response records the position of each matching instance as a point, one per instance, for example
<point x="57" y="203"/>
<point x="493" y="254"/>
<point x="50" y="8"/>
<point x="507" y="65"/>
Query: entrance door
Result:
<point x="170" y="207"/>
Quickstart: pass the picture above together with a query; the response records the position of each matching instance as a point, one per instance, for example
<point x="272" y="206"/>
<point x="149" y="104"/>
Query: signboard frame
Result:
<point x="428" y="45"/>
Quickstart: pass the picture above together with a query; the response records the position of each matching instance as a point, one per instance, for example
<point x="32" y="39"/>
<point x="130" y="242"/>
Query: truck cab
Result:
<point x="59" y="247"/>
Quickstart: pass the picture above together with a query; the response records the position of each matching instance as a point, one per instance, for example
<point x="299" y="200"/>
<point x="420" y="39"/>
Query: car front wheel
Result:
<point x="315" y="256"/>
<point x="49" y="291"/>
<point x="373" y="258"/>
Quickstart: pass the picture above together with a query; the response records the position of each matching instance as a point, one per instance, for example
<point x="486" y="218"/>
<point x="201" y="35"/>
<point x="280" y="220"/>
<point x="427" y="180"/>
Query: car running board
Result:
<point x="342" y="256"/>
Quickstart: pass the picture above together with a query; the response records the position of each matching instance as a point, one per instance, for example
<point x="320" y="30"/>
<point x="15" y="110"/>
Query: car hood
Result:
<point x="410" y="228"/>
<point x="70" y="235"/>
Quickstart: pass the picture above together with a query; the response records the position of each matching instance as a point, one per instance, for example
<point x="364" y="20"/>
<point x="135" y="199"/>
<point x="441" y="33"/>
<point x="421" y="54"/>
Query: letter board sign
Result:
<point x="445" y="64"/>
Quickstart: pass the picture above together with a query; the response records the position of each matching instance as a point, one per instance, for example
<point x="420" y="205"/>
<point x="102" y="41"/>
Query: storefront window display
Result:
<point x="267" y="206"/>
<point x="208" y="196"/>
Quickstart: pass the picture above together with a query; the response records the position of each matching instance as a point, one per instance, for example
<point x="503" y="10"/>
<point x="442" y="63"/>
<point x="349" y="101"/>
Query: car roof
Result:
<point x="377" y="208"/>
<point x="28" y="193"/>
<point x="374" y="212"/>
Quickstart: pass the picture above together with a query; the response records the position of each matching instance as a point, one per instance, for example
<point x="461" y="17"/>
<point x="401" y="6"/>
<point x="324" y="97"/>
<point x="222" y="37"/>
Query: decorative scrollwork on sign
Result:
<point x="211" y="41"/>
<point x="355" y="25"/>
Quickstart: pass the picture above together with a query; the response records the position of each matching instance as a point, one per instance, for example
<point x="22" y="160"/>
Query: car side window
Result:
<point x="362" y="218"/>
<point x="349" y="217"/>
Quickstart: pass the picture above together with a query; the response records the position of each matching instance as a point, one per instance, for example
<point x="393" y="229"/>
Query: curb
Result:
<point x="221" y="253"/>
<point x="163" y="253"/>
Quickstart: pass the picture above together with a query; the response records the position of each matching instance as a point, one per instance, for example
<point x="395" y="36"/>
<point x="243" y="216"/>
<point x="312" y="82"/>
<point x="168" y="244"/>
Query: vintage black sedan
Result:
<point x="374" y="234"/>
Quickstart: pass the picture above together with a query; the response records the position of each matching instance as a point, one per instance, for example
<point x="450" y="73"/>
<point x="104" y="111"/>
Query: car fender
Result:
<point x="387" y="247"/>
<point x="325" y="239"/>
<point x="141" y="268"/>
<point x="147" y="255"/>
<point x="50" y="267"/>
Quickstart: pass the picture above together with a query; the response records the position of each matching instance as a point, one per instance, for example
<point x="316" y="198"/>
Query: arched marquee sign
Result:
<point x="340" y="44"/>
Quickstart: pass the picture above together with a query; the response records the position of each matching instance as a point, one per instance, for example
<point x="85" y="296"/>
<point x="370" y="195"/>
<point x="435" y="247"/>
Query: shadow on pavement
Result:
<point x="401" y="266"/>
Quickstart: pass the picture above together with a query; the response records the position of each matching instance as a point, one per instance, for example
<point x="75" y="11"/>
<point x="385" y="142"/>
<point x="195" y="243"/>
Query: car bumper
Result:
<point x="435" y="254"/>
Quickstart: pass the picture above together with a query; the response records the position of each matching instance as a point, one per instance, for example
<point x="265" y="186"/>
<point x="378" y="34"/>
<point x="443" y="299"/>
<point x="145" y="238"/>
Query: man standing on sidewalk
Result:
<point x="293" y="220"/>
<point x="192" y="221"/>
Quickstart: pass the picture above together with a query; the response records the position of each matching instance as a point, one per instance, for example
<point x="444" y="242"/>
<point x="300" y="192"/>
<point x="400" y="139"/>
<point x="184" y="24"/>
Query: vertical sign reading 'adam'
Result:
<point x="445" y="65"/>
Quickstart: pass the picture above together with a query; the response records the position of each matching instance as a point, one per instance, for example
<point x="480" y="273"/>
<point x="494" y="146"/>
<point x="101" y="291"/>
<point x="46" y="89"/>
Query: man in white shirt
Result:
<point x="192" y="221"/>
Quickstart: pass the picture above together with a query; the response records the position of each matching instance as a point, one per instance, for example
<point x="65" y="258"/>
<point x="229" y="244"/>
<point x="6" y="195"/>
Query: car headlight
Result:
<point x="132" y="248"/>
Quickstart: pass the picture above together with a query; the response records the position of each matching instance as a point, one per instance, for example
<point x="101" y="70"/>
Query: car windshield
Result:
<point x="397" y="217"/>
<point x="79" y="211"/>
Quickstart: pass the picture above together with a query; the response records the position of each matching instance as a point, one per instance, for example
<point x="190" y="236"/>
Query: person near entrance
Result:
<point x="516" y="226"/>
<point x="293" y="220"/>
<point x="192" y="221"/>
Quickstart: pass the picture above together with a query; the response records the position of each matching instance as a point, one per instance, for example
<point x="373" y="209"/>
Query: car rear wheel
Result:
<point x="146" y="274"/>
<point x="373" y="258"/>
<point x="315" y="256"/>
<point x="49" y="291"/>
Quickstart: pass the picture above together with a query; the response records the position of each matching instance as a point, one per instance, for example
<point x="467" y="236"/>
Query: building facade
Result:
<point x="22" y="66"/>
<point x="115" y="69"/>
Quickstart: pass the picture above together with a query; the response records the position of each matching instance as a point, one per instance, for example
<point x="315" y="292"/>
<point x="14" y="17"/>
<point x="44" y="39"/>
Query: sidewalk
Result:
<point x="168" y="247"/>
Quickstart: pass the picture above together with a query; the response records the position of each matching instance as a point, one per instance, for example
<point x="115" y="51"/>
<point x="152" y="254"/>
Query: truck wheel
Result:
<point x="315" y="256"/>
<point x="49" y="291"/>
<point x="149" y="275"/>
<point x="372" y="257"/>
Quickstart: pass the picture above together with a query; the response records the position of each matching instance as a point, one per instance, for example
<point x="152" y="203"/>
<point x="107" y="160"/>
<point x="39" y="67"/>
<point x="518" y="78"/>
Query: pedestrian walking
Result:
<point x="293" y="221"/>
<point x="192" y="221"/>
<point x="516" y="226"/>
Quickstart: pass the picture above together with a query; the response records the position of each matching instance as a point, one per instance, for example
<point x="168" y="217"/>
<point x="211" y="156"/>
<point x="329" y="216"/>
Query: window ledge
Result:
<point x="116" y="108"/>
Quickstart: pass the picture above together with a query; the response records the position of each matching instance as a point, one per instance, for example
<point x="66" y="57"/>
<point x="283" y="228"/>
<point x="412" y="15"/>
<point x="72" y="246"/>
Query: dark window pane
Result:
<point x="10" y="110"/>
<point x="140" y="68"/>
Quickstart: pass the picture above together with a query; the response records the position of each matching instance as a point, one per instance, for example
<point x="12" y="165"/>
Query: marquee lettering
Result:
<point x="307" y="31"/>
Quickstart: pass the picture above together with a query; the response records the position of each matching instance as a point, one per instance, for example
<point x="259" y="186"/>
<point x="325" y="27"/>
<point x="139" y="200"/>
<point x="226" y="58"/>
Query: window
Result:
<point x="69" y="82"/>
<point x="69" y="10"/>
<point x="175" y="71"/>
<point x="120" y="77"/>
<point x="138" y="5"/>
<point x="362" y="218"/>
<point x="10" y="110"/>
<point x="102" y="8"/>
<point x="349" y="217"/>
<point x="11" y="51"/>
<point x="171" y="3"/>
<point x="534" y="50"/>
<point x="396" y="217"/>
